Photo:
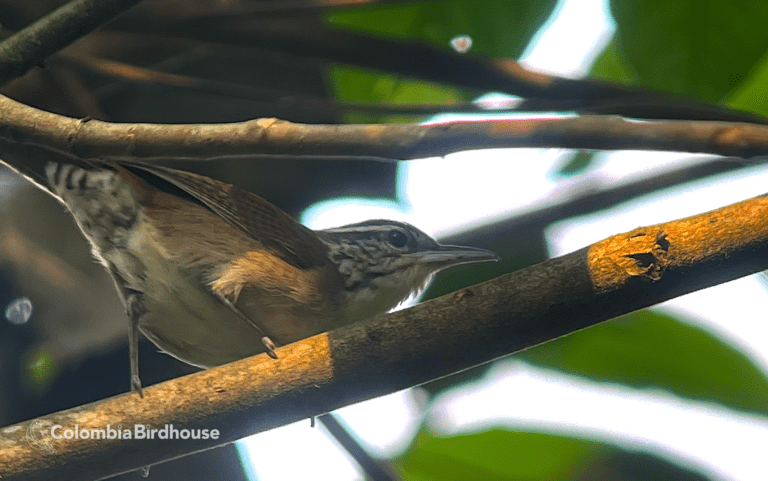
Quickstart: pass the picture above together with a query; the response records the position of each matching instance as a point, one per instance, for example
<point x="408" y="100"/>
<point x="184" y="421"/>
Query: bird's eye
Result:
<point x="397" y="238"/>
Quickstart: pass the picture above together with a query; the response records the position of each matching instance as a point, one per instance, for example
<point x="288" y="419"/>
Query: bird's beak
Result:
<point x="446" y="256"/>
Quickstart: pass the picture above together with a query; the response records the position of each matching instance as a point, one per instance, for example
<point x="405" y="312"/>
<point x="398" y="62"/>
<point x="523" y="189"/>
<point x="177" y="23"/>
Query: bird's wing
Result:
<point x="248" y="212"/>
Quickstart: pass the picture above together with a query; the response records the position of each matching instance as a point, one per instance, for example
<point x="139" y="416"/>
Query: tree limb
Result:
<point x="424" y="61"/>
<point x="32" y="45"/>
<point x="24" y="125"/>
<point x="271" y="96"/>
<point x="395" y="351"/>
<point x="587" y="197"/>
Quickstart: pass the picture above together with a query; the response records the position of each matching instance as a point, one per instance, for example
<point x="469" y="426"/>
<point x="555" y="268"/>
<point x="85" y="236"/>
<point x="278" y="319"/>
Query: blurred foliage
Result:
<point x="509" y="455"/>
<point x="711" y="50"/>
<point x="358" y="85"/>
<point x="495" y="454"/>
<point x="612" y="65"/>
<point x="703" y="49"/>
<point x="579" y="162"/>
<point x="752" y="93"/>
<point x="497" y="28"/>
<point x="648" y="349"/>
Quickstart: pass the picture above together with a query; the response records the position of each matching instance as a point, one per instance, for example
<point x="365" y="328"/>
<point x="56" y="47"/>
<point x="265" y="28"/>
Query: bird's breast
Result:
<point x="198" y="275"/>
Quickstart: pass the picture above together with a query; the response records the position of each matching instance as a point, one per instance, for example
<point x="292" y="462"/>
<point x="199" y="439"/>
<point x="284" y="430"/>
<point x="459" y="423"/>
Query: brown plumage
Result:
<point x="214" y="273"/>
<point x="212" y="279"/>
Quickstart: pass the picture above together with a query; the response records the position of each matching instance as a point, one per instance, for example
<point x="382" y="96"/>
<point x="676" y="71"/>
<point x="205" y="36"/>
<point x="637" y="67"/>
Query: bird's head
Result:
<point x="383" y="262"/>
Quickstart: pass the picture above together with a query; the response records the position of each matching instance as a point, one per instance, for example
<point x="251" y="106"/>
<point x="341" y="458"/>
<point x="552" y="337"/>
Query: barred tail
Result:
<point x="32" y="162"/>
<point x="104" y="204"/>
<point x="65" y="178"/>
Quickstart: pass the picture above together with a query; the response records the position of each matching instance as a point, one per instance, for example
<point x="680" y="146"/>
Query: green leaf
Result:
<point x="612" y="65"/>
<point x="648" y="349"/>
<point x="496" y="454"/>
<point x="576" y="164"/>
<point x="497" y="28"/>
<point x="506" y="455"/>
<point x="703" y="48"/>
<point x="353" y="84"/>
<point x="752" y="94"/>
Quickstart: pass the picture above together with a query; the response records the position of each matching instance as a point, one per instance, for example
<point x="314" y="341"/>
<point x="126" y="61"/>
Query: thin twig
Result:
<point x="35" y="43"/>
<point x="282" y="98"/>
<point x="586" y="197"/>
<point x="443" y="65"/>
<point x="375" y="469"/>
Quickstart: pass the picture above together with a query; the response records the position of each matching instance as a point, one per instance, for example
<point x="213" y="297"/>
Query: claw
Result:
<point x="269" y="346"/>
<point x="136" y="386"/>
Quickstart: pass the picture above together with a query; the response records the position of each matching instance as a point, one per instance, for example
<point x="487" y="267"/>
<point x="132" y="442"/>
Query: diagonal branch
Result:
<point x="424" y="61"/>
<point x="37" y="42"/>
<point x="375" y="469"/>
<point x="591" y="196"/>
<point x="267" y="95"/>
<point x="516" y="311"/>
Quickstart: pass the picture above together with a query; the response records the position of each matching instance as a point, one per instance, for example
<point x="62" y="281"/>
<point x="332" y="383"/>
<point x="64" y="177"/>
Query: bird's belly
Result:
<point x="190" y="323"/>
<point x="186" y="320"/>
<point x="179" y="315"/>
<point x="199" y="330"/>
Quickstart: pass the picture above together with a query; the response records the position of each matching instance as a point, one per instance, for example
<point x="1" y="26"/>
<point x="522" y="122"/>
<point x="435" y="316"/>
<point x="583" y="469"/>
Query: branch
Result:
<point x="23" y="125"/>
<point x="57" y="30"/>
<point x="424" y="61"/>
<point x="395" y="351"/>
<point x="35" y="43"/>
<point x="374" y="469"/>
<point x="285" y="99"/>
<point x="587" y="197"/>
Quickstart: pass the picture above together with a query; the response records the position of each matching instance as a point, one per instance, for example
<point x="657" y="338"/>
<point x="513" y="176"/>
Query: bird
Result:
<point x="212" y="273"/>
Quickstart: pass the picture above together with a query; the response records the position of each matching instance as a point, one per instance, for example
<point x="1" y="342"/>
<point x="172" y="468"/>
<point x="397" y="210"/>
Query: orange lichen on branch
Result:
<point x="647" y="252"/>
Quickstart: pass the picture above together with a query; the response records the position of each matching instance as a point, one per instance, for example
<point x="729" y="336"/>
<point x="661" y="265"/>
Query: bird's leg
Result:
<point x="134" y="306"/>
<point x="266" y="340"/>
